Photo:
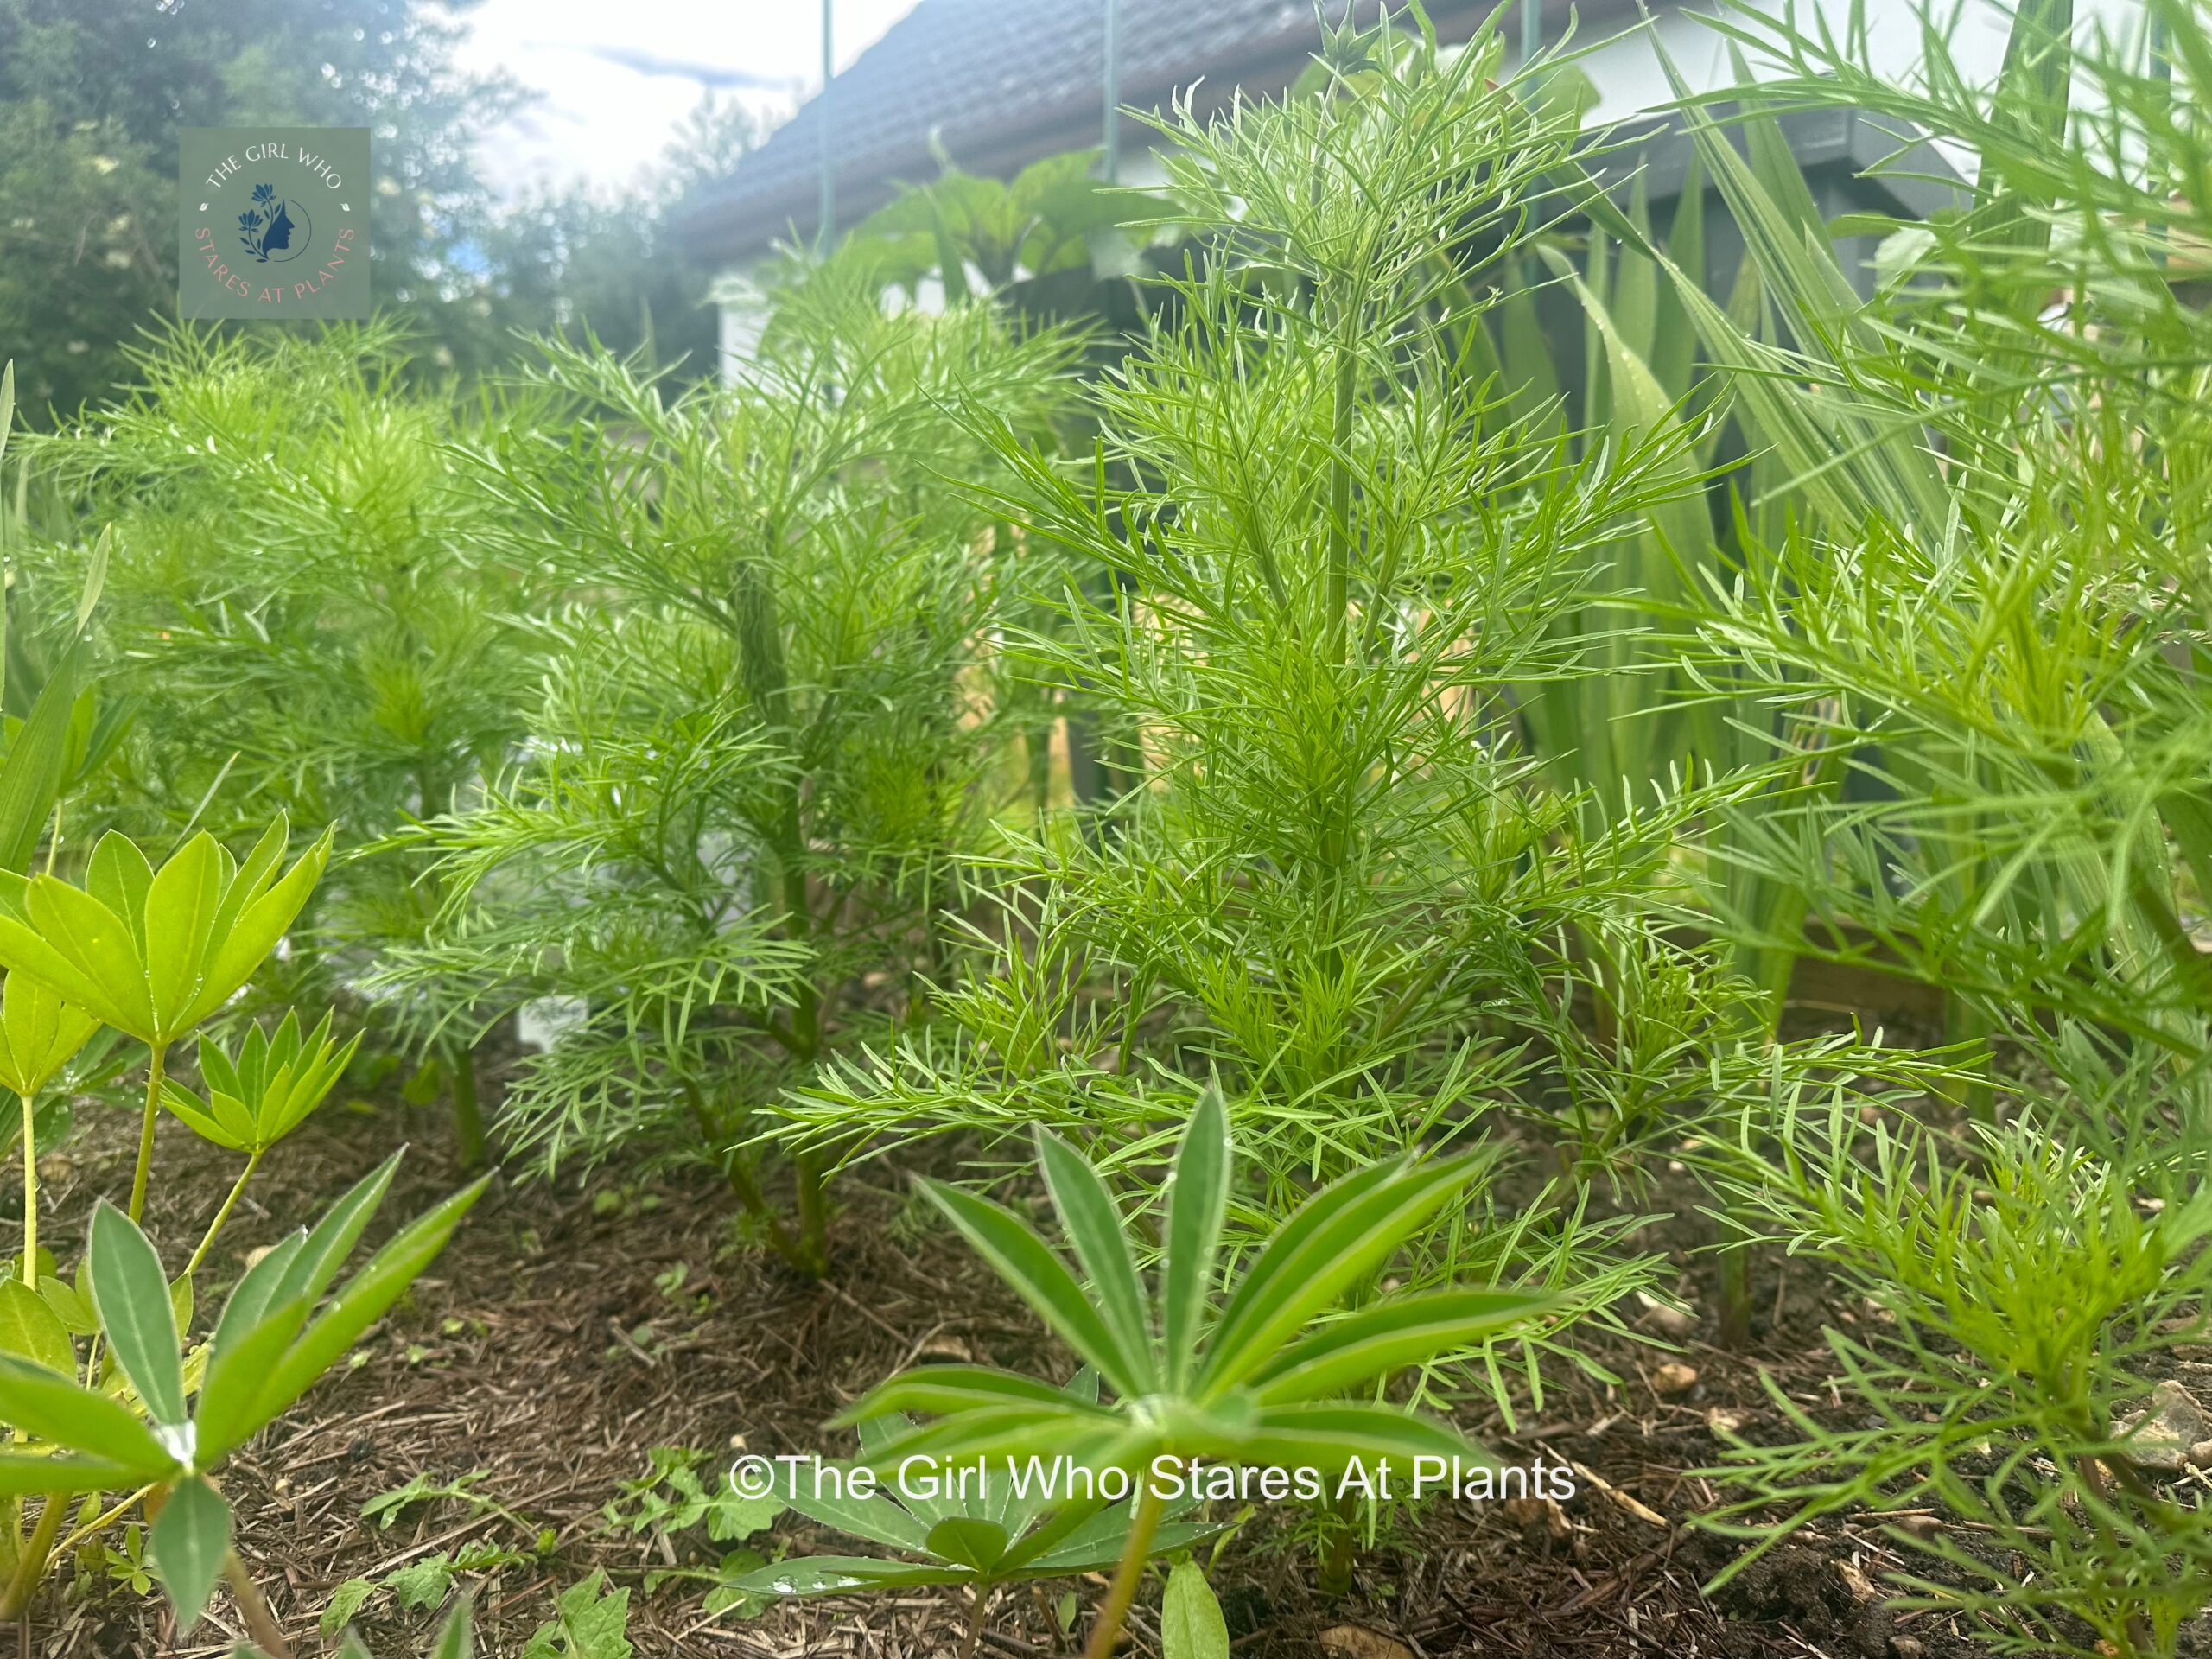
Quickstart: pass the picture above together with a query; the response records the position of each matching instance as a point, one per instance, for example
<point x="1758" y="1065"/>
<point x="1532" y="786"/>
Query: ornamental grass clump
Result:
<point x="1993" y="618"/>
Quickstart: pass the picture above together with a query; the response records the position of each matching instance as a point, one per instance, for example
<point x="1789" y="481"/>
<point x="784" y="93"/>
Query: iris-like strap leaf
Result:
<point x="31" y="776"/>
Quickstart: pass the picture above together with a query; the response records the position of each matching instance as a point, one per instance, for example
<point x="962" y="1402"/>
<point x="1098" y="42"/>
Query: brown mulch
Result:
<point x="550" y="1348"/>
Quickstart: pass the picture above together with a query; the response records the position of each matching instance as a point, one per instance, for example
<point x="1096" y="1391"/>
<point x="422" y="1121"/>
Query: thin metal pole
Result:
<point x="1112" y="89"/>
<point x="827" y="224"/>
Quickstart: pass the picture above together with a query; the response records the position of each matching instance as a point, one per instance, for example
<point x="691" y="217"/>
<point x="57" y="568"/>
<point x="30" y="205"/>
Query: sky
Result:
<point x="614" y="77"/>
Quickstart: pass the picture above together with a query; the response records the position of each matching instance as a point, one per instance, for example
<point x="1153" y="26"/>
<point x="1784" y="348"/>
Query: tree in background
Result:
<point x="565" y="260"/>
<point x="91" y="98"/>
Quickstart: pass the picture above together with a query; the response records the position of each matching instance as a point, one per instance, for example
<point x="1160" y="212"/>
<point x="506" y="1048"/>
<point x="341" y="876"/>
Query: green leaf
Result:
<point x="457" y="1637"/>
<point x="314" y="1267"/>
<point x="1190" y="1624"/>
<point x="240" y="950"/>
<point x="179" y="906"/>
<point x="30" y="777"/>
<point x="72" y="1309"/>
<point x="30" y="1329"/>
<point x="88" y="953"/>
<point x="968" y="1541"/>
<point x="132" y="1295"/>
<point x="423" y="1583"/>
<point x="1334" y="1239"/>
<point x="363" y="1300"/>
<point x="253" y="1295"/>
<point x="189" y="1538"/>
<point x="1329" y="1435"/>
<point x="118" y="876"/>
<point x="942" y="1388"/>
<point x="230" y="1396"/>
<point x="1041" y="1277"/>
<point x="1093" y="1222"/>
<point x="833" y="1575"/>
<point x="55" y="1407"/>
<point x="1379" y="1340"/>
<point x="24" y="1473"/>
<point x="1197" y="1200"/>
<point x="347" y="1600"/>
<point x="590" y="1622"/>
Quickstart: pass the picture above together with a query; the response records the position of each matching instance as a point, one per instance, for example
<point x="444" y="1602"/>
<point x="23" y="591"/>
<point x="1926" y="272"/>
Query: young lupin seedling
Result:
<point x="274" y="1337"/>
<point x="257" y="1099"/>
<point x="1260" y="1380"/>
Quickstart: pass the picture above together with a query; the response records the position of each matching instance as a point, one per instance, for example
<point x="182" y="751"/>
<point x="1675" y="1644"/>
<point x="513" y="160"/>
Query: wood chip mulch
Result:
<point x="553" y="1346"/>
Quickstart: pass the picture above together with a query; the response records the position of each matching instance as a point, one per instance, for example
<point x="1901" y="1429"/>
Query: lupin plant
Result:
<point x="257" y="1099"/>
<point x="151" y="953"/>
<point x="273" y="1339"/>
<point x="1252" y="1373"/>
<point x="154" y="952"/>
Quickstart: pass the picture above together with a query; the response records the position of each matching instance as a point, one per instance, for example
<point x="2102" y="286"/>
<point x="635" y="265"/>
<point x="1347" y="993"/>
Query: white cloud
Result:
<point x="613" y="76"/>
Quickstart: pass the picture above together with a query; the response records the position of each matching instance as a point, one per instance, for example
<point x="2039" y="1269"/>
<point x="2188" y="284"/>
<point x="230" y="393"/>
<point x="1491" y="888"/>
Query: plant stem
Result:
<point x="100" y="1523"/>
<point x="30" y="1199"/>
<point x="30" y="1567"/>
<point x="207" y="1240"/>
<point x="260" y="1623"/>
<point x="813" y="1217"/>
<point x="750" y="1198"/>
<point x="467" y="1114"/>
<point x="1336" y="1557"/>
<point x="1142" y="1525"/>
<point x="1734" y="1261"/>
<point x="146" y="1133"/>
<point x="979" y="1598"/>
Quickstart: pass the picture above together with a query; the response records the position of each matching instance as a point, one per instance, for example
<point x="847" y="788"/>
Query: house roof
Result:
<point x="1001" y="82"/>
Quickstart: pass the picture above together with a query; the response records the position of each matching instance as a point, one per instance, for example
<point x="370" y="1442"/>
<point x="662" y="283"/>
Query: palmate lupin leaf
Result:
<point x="256" y="1098"/>
<point x="151" y="952"/>
<point x="275" y="1336"/>
<point x="1256" y="1381"/>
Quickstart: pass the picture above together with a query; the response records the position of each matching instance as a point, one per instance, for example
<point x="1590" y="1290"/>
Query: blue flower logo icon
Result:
<point x="271" y="226"/>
